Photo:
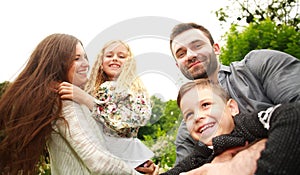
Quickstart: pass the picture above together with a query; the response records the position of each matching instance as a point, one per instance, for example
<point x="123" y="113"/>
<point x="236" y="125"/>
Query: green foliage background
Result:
<point x="159" y="135"/>
<point x="263" y="35"/>
<point x="3" y="87"/>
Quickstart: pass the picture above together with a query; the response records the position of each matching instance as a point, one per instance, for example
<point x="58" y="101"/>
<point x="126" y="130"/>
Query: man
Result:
<point x="262" y="79"/>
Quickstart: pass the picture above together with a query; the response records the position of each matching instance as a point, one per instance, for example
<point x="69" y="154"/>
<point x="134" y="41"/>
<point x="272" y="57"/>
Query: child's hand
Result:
<point x="68" y="91"/>
<point x="148" y="168"/>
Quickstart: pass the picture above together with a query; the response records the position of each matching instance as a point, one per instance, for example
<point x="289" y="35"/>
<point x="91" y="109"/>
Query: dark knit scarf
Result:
<point x="282" y="152"/>
<point x="246" y="129"/>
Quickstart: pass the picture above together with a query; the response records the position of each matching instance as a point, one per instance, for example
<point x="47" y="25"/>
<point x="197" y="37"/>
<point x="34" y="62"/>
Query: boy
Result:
<point x="213" y="120"/>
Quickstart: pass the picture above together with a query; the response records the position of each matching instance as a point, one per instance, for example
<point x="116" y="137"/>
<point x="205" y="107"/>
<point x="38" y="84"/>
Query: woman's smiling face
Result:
<point x="78" y="72"/>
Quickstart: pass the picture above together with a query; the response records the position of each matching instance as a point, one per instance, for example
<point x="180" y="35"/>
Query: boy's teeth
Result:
<point x="205" y="127"/>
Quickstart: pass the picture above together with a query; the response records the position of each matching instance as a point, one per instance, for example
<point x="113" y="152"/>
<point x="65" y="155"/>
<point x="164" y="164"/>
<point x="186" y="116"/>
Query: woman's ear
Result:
<point x="233" y="107"/>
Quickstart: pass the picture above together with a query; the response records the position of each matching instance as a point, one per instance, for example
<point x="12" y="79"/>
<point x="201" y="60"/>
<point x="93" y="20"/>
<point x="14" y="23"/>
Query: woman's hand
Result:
<point x="68" y="91"/>
<point x="148" y="168"/>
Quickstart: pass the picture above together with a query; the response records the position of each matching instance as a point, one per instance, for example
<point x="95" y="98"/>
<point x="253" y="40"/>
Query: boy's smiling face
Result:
<point x="206" y="114"/>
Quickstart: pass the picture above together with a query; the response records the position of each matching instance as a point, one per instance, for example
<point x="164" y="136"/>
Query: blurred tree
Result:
<point x="263" y="35"/>
<point x="252" y="11"/>
<point x="153" y="127"/>
<point x="159" y="135"/>
<point x="169" y="121"/>
<point x="164" y="118"/>
<point x="171" y="116"/>
<point x="3" y="87"/>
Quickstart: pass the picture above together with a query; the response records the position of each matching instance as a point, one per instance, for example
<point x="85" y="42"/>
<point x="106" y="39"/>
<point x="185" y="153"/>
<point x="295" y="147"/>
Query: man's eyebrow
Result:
<point x="198" y="40"/>
<point x="191" y="43"/>
<point x="178" y="50"/>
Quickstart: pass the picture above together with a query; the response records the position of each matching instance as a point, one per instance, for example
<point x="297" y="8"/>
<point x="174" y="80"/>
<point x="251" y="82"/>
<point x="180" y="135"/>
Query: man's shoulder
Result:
<point x="265" y="55"/>
<point x="255" y="59"/>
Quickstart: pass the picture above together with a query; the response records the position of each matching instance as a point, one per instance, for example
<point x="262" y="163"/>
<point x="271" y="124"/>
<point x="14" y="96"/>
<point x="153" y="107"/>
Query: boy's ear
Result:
<point x="233" y="106"/>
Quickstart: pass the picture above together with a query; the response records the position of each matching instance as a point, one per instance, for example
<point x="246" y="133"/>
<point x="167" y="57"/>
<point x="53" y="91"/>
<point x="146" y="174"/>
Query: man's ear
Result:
<point x="177" y="64"/>
<point x="217" y="49"/>
<point x="233" y="106"/>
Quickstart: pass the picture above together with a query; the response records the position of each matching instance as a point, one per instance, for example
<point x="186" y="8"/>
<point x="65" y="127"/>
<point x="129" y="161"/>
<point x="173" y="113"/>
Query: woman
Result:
<point x="33" y="116"/>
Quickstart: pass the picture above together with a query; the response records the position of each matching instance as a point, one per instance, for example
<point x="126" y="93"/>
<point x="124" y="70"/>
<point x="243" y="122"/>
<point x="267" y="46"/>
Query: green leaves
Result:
<point x="263" y="35"/>
<point x="159" y="135"/>
<point x="252" y="11"/>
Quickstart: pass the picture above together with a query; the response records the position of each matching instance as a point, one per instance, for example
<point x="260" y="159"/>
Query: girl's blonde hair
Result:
<point x="128" y="78"/>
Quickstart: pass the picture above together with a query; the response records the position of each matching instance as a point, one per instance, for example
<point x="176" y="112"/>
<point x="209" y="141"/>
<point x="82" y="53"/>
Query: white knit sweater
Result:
<point x="77" y="149"/>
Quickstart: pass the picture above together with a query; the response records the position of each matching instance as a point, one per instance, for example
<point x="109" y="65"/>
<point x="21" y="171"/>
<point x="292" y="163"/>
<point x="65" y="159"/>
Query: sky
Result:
<point x="144" y="25"/>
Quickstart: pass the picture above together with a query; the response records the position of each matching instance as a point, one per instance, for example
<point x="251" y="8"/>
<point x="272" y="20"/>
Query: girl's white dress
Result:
<point x="121" y="114"/>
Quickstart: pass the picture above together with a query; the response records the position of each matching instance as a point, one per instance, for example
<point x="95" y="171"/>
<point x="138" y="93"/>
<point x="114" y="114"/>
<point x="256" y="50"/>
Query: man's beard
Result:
<point x="194" y="75"/>
<point x="198" y="74"/>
